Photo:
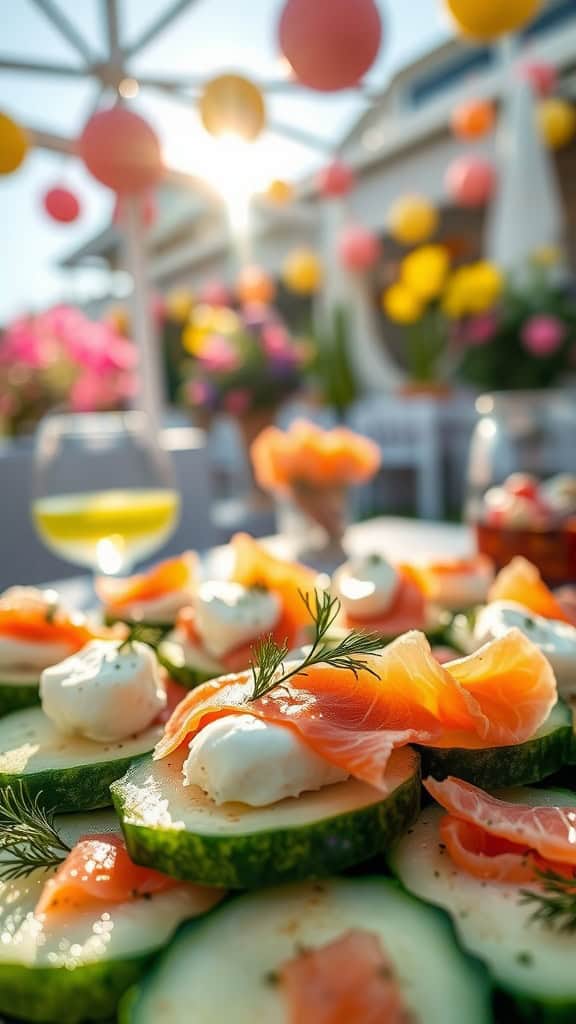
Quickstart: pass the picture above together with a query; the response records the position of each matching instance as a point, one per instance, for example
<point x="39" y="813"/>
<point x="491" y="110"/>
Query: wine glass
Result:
<point x="104" y="494"/>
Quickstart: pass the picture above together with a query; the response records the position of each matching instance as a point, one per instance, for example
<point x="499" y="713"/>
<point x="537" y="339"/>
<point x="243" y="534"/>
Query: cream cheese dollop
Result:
<point x="104" y="692"/>
<point x="556" y="640"/>
<point x="366" y="587"/>
<point x="243" y="759"/>
<point x="162" y="610"/>
<point x="227" y="615"/>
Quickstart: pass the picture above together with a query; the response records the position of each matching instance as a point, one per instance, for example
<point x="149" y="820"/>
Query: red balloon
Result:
<point x="330" y="44"/>
<point x="470" y="181"/>
<point x="121" y="150"/>
<point x="336" y="179"/>
<point x="215" y="293"/>
<point x="359" y="248"/>
<point x="542" y="77"/>
<point x="62" y="205"/>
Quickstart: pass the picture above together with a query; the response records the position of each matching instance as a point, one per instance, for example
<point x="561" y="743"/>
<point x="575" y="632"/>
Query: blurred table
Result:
<point x="401" y="540"/>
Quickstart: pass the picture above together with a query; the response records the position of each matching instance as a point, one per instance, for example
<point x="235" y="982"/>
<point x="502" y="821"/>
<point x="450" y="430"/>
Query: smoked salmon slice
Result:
<point x="407" y="611"/>
<point x="356" y="720"/>
<point x="33" y="625"/>
<point x="97" y="873"/>
<point x="520" y="581"/>
<point x="489" y="857"/>
<point x="513" y="684"/>
<point x="547" y="830"/>
<point x="164" y="578"/>
<point x="254" y="566"/>
<point x="351" y="979"/>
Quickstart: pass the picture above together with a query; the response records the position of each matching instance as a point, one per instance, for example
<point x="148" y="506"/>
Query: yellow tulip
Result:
<point x="424" y="271"/>
<point x="302" y="272"/>
<point x="206" y="321"/>
<point x="179" y="304"/>
<point x="485" y="286"/>
<point x="412" y="220"/>
<point x="547" y="256"/>
<point x="401" y="305"/>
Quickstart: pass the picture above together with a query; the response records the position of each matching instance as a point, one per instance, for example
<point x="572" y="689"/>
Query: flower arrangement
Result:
<point x="428" y="296"/>
<point x="314" y="468"/>
<point x="243" y="362"/>
<point x="306" y="455"/>
<point x="60" y="358"/>
<point x="487" y="330"/>
<point x="526" y="340"/>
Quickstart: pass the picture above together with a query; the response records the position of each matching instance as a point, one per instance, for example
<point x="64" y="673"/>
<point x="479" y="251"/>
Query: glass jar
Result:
<point x="522" y="480"/>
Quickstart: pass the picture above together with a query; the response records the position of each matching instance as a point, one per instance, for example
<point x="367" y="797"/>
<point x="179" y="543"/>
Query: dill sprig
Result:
<point x="28" y="837"/>
<point x="555" y="903"/>
<point x="142" y="633"/>
<point x="268" y="667"/>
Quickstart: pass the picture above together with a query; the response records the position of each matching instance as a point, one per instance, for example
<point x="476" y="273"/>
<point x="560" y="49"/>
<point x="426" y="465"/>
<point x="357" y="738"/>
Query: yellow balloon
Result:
<point x="489" y="19"/>
<point x="401" y="305"/>
<point x="424" y="271"/>
<point x="557" y="122"/>
<point x="13" y="145"/>
<point x="412" y="220"/>
<point x="279" y="192"/>
<point x="302" y="272"/>
<point x="233" y="104"/>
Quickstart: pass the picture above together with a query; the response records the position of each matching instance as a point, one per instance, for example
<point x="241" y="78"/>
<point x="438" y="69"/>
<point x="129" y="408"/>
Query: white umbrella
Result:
<point x="527" y="213"/>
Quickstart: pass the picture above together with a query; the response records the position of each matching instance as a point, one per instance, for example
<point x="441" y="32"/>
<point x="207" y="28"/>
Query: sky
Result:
<point x="211" y="37"/>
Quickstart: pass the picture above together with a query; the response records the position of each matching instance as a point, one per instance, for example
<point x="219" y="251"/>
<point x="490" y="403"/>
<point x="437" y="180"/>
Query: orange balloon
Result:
<point x="255" y="287"/>
<point x="473" y="119"/>
<point x="279" y="192"/>
<point x="233" y="104"/>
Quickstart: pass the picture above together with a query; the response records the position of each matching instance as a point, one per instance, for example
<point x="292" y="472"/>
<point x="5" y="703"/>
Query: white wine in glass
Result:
<point x="104" y="494"/>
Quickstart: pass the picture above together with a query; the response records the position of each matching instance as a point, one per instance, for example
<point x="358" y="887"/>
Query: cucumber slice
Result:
<point x="179" y="666"/>
<point x="532" y="964"/>
<point x="180" y="831"/>
<point x="73" y="773"/>
<point x="542" y="755"/>
<point x="19" y="690"/>
<point x="77" y="969"/>
<point x="224" y="968"/>
<point x="161" y="627"/>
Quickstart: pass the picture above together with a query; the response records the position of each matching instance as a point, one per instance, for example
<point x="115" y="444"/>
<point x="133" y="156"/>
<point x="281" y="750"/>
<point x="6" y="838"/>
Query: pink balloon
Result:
<point x="359" y="248"/>
<point x="121" y="150"/>
<point x="330" y="44"/>
<point x="62" y="205"/>
<point x="336" y="179"/>
<point x="542" y="76"/>
<point x="470" y="181"/>
<point x="215" y="293"/>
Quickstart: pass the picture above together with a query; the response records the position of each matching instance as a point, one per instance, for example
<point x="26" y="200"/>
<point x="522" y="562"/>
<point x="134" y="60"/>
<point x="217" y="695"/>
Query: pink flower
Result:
<point x="199" y="392"/>
<point x="481" y="329"/>
<point x="276" y="340"/>
<point x="219" y="356"/>
<point x="237" y="402"/>
<point x="543" y="335"/>
<point x="91" y="392"/>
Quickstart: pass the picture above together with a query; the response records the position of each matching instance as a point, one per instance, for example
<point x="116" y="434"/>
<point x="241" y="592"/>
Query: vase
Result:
<point x="528" y="432"/>
<point x="313" y="522"/>
<point x="250" y="425"/>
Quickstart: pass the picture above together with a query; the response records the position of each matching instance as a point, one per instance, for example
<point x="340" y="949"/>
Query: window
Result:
<point x="438" y="80"/>
<point x="552" y="17"/>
